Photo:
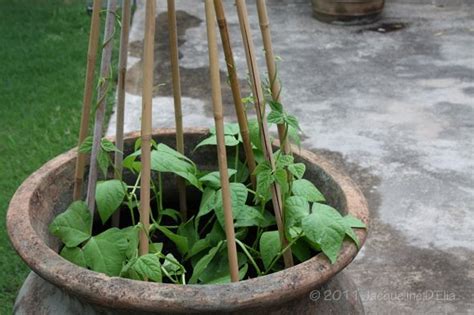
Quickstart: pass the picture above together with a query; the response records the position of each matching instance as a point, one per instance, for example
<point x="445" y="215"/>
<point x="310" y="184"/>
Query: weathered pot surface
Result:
<point x="349" y="12"/>
<point x="48" y="191"/>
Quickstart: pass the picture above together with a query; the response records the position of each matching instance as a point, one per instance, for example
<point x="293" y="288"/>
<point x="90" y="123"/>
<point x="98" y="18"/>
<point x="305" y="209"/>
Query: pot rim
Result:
<point x="123" y="293"/>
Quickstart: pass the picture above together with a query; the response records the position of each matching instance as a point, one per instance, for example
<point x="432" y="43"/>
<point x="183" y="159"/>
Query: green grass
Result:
<point x="42" y="65"/>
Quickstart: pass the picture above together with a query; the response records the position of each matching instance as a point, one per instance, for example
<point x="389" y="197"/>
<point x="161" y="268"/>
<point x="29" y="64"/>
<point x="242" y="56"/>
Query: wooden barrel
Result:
<point x="349" y="11"/>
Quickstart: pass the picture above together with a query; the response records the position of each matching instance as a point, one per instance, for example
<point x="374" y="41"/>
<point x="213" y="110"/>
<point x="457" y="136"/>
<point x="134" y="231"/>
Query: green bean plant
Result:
<point x="193" y="250"/>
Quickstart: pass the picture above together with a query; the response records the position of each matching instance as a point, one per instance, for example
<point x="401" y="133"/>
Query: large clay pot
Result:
<point x="48" y="191"/>
<point x="347" y="11"/>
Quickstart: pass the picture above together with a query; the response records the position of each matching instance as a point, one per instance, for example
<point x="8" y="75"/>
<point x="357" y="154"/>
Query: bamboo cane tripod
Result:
<point x="215" y="13"/>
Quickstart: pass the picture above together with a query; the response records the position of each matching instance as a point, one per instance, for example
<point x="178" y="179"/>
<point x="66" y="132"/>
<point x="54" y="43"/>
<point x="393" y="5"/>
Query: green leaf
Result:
<point x="138" y="144"/>
<point x="213" y="179"/>
<point x="203" y="263"/>
<point x="198" y="247"/>
<point x="148" y="267"/>
<point x="103" y="160"/>
<point x="108" y="146"/>
<point x="130" y="161"/>
<point x="131" y="234"/>
<point x="353" y="222"/>
<point x="283" y="160"/>
<point x="238" y="197"/>
<point x="181" y="242"/>
<point x="297" y="169"/>
<point x="281" y="177"/>
<point x="264" y="176"/>
<point x="156" y="248"/>
<point x="304" y="188"/>
<point x="242" y="170"/>
<point x="249" y="216"/>
<point x="268" y="219"/>
<point x="352" y="235"/>
<point x="74" y="255"/>
<point x="165" y="159"/>
<point x="168" y="150"/>
<point x="218" y="269"/>
<point x="275" y="117"/>
<point x="296" y="208"/>
<point x="109" y="196"/>
<point x="187" y="230"/>
<point x="172" y="265"/>
<point x="301" y="250"/>
<point x="74" y="225"/>
<point x="254" y="132"/>
<point x="86" y="145"/>
<point x="212" y="140"/>
<point x="292" y="121"/>
<point x="229" y="141"/>
<point x="231" y="129"/>
<point x="294" y="232"/>
<point x="216" y="234"/>
<point x="270" y="247"/>
<point x="208" y="201"/>
<point x="276" y="106"/>
<point x="294" y="135"/>
<point x="326" y="228"/>
<point x="173" y="214"/>
<point x="128" y="272"/>
<point x="106" y="252"/>
<point x="226" y="278"/>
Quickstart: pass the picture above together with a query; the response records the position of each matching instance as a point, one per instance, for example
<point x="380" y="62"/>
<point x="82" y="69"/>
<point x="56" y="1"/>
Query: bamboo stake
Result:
<point x="102" y="97"/>
<point x="275" y="86"/>
<point x="87" y="98"/>
<point x="178" y="113"/>
<point x="235" y="87"/>
<point x="123" y="54"/>
<point x="221" y="151"/>
<point x="265" y="135"/>
<point x="148" y="63"/>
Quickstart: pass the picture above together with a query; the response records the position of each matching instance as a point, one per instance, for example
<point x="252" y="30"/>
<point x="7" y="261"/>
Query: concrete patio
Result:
<point x="391" y="103"/>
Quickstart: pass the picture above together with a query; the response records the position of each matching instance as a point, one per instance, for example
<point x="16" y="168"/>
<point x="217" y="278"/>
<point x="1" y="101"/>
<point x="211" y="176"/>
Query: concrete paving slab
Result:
<point x="392" y="103"/>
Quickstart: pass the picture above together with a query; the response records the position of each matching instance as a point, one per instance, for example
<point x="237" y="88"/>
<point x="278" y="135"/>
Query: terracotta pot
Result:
<point x="48" y="191"/>
<point x="348" y="11"/>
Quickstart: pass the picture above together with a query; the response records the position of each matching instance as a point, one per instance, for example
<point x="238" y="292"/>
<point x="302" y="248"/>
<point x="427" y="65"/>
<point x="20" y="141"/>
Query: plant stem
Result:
<point x="281" y="254"/>
<point x="168" y="275"/>
<point x="132" y="215"/>
<point x="160" y="193"/>
<point x="155" y="192"/>
<point x="254" y="264"/>
<point x="207" y="223"/>
<point x="132" y="195"/>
